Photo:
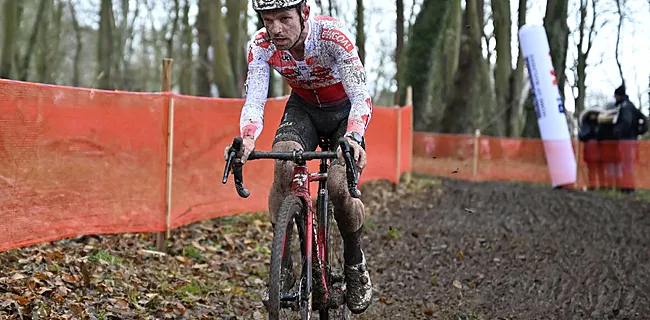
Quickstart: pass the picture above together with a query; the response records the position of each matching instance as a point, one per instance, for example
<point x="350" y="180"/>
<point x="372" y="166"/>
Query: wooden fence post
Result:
<point x="162" y="237"/>
<point x="409" y="102"/>
<point x="477" y="135"/>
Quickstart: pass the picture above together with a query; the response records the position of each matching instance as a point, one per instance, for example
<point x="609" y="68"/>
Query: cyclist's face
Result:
<point x="283" y="26"/>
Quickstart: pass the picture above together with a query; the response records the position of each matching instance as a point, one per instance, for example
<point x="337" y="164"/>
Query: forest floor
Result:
<point x="436" y="249"/>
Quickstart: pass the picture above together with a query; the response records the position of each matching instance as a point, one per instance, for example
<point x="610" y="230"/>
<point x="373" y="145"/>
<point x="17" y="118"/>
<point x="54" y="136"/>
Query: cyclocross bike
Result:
<point x="322" y="284"/>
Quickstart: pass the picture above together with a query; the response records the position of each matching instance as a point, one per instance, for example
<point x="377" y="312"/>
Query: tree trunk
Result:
<point x="517" y="83"/>
<point x="79" y="45"/>
<point x="105" y="47"/>
<point x="447" y="56"/>
<point x="221" y="66"/>
<point x="467" y="87"/>
<point x="398" y="48"/>
<point x="186" y="78"/>
<point x="203" y="72"/>
<point x="236" y="40"/>
<point x="503" y="69"/>
<point x="33" y="40"/>
<point x="170" y="39"/>
<point x="11" y="29"/>
<point x="361" y="34"/>
<point x="44" y="38"/>
<point x="555" y="23"/>
<point x="427" y="31"/>
<point x="584" y="48"/>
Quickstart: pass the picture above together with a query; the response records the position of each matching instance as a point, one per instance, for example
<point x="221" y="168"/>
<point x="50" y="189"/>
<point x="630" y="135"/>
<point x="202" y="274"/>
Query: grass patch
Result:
<point x="104" y="256"/>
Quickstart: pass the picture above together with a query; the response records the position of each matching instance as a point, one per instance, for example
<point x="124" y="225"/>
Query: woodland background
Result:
<point x="460" y="56"/>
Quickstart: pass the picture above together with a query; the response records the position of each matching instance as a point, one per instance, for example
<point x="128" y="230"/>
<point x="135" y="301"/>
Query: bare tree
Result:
<point x="620" y="4"/>
<point x="587" y="33"/>
<point x="79" y="44"/>
<point x="11" y="15"/>
<point x="361" y="34"/>
<point x="29" y="53"/>
<point x="507" y="81"/>
<point x="399" y="29"/>
<point x="106" y="45"/>
<point x="203" y="73"/>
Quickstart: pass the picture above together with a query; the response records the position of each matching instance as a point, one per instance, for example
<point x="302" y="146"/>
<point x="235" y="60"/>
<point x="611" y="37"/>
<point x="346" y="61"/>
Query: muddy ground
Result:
<point x="437" y="249"/>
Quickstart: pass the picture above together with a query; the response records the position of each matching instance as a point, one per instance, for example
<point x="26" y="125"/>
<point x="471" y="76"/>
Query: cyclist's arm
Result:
<point x="353" y="75"/>
<point x="257" y="84"/>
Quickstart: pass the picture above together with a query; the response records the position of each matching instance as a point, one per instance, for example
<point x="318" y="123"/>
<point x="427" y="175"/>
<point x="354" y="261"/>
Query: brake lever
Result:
<point x="239" y="179"/>
<point x="350" y="168"/>
<point x="236" y="165"/>
<point x="235" y="148"/>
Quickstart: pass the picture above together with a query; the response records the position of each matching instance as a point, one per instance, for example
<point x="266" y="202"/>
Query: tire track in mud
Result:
<point x="517" y="251"/>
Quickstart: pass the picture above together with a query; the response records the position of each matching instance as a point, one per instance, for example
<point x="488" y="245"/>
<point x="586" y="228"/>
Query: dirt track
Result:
<point x="437" y="249"/>
<point x="461" y="250"/>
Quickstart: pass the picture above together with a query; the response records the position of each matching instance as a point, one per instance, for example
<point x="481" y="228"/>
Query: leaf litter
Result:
<point x="200" y="276"/>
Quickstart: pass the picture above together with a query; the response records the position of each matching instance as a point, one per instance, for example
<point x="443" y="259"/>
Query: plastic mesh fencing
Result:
<point x="203" y="127"/>
<point x="75" y="161"/>
<point x="603" y="164"/>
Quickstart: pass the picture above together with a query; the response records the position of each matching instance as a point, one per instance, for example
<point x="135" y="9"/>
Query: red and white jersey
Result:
<point x="331" y="72"/>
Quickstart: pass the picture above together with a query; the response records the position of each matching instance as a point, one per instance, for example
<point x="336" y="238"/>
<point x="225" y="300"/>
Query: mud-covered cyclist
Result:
<point x="329" y="98"/>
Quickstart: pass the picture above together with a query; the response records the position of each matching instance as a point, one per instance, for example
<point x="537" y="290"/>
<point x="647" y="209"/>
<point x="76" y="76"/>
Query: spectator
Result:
<point x="608" y="146"/>
<point x="629" y="123"/>
<point x="588" y="134"/>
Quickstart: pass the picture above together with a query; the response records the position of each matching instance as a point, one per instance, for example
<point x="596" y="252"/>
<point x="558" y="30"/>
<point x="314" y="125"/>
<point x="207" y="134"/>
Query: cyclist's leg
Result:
<point x="294" y="132"/>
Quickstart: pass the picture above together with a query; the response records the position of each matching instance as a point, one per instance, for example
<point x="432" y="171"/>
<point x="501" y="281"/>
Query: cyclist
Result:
<point x="329" y="98"/>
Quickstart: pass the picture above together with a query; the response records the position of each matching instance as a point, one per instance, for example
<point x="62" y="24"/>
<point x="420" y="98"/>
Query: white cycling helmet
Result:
<point x="263" y="5"/>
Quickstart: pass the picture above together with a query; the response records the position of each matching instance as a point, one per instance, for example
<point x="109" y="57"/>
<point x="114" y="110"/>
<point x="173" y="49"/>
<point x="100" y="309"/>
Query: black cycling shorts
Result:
<point x="306" y="123"/>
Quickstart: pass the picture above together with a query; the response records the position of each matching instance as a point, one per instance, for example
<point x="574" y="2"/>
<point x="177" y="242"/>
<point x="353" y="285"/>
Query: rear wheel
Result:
<point x="335" y="264"/>
<point x="279" y="287"/>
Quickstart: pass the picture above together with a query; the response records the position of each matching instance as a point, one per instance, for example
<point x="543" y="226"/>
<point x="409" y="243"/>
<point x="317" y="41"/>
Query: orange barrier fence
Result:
<point x="80" y="161"/>
<point x="605" y="164"/>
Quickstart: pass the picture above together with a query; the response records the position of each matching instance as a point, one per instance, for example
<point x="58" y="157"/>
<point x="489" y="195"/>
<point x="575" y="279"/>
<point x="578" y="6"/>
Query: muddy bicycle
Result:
<point x="322" y="284"/>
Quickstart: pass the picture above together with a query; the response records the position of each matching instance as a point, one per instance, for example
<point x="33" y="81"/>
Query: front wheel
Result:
<point x="291" y="207"/>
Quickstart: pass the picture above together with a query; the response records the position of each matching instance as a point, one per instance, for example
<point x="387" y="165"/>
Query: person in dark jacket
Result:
<point x="608" y="146"/>
<point x="626" y="132"/>
<point x="588" y="134"/>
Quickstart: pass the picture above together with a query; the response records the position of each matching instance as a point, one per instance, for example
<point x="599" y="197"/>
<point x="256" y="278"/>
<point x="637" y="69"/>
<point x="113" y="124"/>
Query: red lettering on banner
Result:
<point x="337" y="37"/>
<point x="554" y="77"/>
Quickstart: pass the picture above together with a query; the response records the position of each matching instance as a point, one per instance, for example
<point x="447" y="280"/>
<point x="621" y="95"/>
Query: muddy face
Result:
<point x="283" y="26"/>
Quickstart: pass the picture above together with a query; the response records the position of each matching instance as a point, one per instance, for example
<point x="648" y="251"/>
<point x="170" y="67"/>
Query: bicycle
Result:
<point x="326" y="282"/>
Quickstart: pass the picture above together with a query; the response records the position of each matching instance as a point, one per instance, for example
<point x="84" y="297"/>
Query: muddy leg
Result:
<point x="282" y="176"/>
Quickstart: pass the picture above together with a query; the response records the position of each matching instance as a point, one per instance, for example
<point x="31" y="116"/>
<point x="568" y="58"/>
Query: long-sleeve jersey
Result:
<point x="330" y="73"/>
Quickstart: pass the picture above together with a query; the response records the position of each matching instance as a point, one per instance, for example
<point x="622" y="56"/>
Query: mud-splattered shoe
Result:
<point x="359" y="287"/>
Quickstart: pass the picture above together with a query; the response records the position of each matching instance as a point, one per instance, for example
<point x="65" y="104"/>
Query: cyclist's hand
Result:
<point x="248" y="145"/>
<point x="359" y="155"/>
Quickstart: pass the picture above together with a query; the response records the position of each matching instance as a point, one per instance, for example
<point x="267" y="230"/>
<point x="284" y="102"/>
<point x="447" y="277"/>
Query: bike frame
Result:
<point x="300" y="187"/>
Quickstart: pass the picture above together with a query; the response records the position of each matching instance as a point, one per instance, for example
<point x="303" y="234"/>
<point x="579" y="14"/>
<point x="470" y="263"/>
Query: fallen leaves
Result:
<point x="201" y="276"/>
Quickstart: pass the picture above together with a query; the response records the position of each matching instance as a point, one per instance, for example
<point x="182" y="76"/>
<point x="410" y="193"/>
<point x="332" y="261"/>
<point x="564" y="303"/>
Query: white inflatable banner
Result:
<point x="551" y="119"/>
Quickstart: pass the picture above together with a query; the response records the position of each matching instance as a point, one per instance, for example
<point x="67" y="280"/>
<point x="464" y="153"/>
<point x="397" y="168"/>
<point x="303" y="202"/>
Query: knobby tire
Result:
<point x="291" y="207"/>
<point x="335" y="263"/>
